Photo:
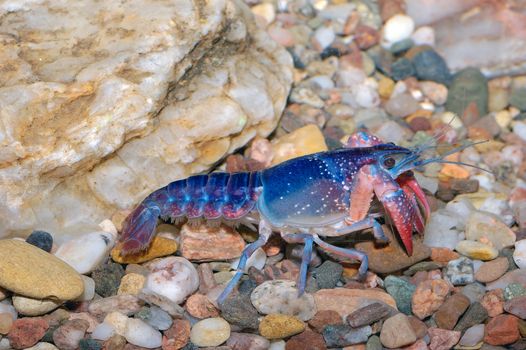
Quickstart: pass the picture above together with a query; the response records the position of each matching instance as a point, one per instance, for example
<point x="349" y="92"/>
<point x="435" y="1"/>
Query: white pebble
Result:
<point x="117" y="321"/>
<point x="266" y="11"/>
<point x="257" y="259"/>
<point x="89" y="289"/>
<point x="43" y="346"/>
<point x="424" y="36"/>
<point x="5" y="307"/>
<point x="277" y="345"/>
<point x="519" y="128"/>
<point x="324" y="36"/>
<point x="108" y="226"/>
<point x="441" y="230"/>
<point x="519" y="255"/>
<point x="5" y="344"/>
<point x="210" y="332"/>
<point x="141" y="334"/>
<point x="103" y="331"/>
<point x="34" y="307"/>
<point x="173" y="278"/>
<point x="86" y="252"/>
<point x="398" y="28"/>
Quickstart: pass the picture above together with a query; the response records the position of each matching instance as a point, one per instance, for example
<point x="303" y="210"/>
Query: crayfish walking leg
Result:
<point x="306" y="256"/>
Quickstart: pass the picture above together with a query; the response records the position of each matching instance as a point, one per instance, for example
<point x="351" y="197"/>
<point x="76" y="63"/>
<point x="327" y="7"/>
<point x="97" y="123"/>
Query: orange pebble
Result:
<point x="454" y="171"/>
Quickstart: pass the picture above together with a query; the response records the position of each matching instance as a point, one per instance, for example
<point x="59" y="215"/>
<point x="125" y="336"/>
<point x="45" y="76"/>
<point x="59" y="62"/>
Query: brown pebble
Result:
<point x="6" y="321"/>
<point x="368" y="314"/>
<point x="307" y="340"/>
<point x="26" y="332"/>
<point x="366" y="37"/>
<point x="420" y="124"/>
<point x="502" y="330"/>
<point x="68" y="336"/>
<point x="428" y="297"/>
<point x="418" y="326"/>
<point x="116" y="342"/>
<point x="442" y="339"/>
<point x="200" y="306"/>
<point x="448" y="313"/>
<point x="443" y="255"/>
<point x="177" y="336"/>
<point x="493" y="302"/>
<point x="492" y="270"/>
<point x="324" y="318"/>
<point x="516" y="306"/>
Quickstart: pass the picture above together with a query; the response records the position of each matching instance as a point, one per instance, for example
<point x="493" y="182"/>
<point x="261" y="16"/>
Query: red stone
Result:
<point x="366" y="37"/>
<point x="26" y="332"/>
<point x="502" y="330"/>
<point x="200" y="306"/>
<point x="307" y="340"/>
<point x="177" y="336"/>
<point x="493" y="302"/>
<point x="324" y="318"/>
<point x="442" y="339"/>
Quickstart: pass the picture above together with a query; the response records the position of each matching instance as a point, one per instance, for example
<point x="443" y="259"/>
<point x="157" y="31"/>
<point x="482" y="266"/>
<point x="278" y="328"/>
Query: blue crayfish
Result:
<point x="305" y="198"/>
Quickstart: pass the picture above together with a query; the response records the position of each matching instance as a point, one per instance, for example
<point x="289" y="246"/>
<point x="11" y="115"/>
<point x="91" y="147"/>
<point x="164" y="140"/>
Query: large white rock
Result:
<point x="103" y="102"/>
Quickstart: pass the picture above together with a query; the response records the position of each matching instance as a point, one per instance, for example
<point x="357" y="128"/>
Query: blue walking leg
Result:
<point x="368" y="222"/>
<point x="264" y="233"/>
<point x="306" y="256"/>
<point x="346" y="253"/>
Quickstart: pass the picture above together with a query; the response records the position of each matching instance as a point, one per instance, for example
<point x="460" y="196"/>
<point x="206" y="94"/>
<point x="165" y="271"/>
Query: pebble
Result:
<point x="468" y="85"/>
<point x="368" y="314"/>
<point x="328" y="274"/>
<point x="34" y="307"/>
<point x="436" y="92"/>
<point x="131" y="283"/>
<point x="206" y="243"/>
<point x="303" y="95"/>
<point x="199" y="306"/>
<point x="277" y="345"/>
<point x="107" y="278"/>
<point x="89" y="289"/>
<point x="401" y="105"/>
<point x="442" y="339"/>
<point x="397" y="332"/>
<point x="86" y="252"/>
<point x="429" y="65"/>
<point x="476" y="250"/>
<point x="402" y="69"/>
<point x="514" y="276"/>
<point x="460" y="271"/>
<point x="278" y="326"/>
<point x="6" y="322"/>
<point x="155" y="317"/>
<point x="31" y="272"/>
<point x="177" y="336"/>
<point x="402" y="291"/>
<point x="238" y="310"/>
<point x="68" y="335"/>
<point x="280" y="296"/>
<point x="141" y="334"/>
<point x="442" y="230"/>
<point x="41" y="239"/>
<point x="502" y="330"/>
<point x="514" y="290"/>
<point x="489" y="229"/>
<point x="43" y="346"/>
<point x="475" y="314"/>
<point x="424" y="35"/>
<point x="323" y="37"/>
<point x="324" y="318"/>
<point x="344" y="335"/>
<point x="125" y="304"/>
<point x="450" y="311"/>
<point x="345" y="301"/>
<point x="519" y="128"/>
<point x="519" y="255"/>
<point x="428" y="297"/>
<point x="159" y="247"/>
<point x="242" y="341"/>
<point x="210" y="332"/>
<point x="307" y="340"/>
<point x="472" y="336"/>
<point x="516" y="306"/>
<point x="172" y="278"/>
<point x="305" y="140"/>
<point x="103" y="331"/>
<point x="398" y="28"/>
<point x="492" y="270"/>
<point x="518" y="96"/>
<point x="86" y="316"/>
<point x="26" y="332"/>
<point x="493" y="302"/>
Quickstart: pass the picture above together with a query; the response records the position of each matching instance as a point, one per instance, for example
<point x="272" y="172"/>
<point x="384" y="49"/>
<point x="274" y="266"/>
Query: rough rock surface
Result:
<point x="100" y="104"/>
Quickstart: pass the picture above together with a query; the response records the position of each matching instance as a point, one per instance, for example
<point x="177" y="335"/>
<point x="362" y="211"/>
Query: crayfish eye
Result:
<point x="389" y="162"/>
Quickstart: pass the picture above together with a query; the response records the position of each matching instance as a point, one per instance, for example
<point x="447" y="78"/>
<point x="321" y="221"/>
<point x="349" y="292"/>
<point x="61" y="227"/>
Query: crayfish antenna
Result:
<point x="138" y="229"/>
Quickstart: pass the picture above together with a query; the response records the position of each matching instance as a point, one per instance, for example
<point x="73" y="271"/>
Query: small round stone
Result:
<point x="131" y="283"/>
<point x="141" y="334"/>
<point x="26" y="332"/>
<point x="210" y="332"/>
<point x="492" y="270"/>
<point x="41" y="239"/>
<point x="34" y="307"/>
<point x="278" y="326"/>
<point x="398" y="28"/>
<point x="397" y="332"/>
<point x="519" y="255"/>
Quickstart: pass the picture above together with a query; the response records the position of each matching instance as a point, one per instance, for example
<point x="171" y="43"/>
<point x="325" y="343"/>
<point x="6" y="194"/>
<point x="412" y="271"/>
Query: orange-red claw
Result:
<point x="401" y="211"/>
<point x="410" y="186"/>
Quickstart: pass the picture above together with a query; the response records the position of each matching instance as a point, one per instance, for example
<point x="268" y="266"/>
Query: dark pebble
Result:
<point x="401" y="46"/>
<point x="330" y="51"/>
<point x="89" y="344"/>
<point x="402" y="292"/>
<point x="41" y="239"/>
<point x="107" y="278"/>
<point x="247" y="286"/>
<point x="475" y="314"/>
<point x="518" y="98"/>
<point x="518" y="345"/>
<point x="402" y="68"/>
<point x="374" y="343"/>
<point x="469" y="85"/>
<point x="368" y="314"/>
<point x="422" y="266"/>
<point x="464" y="185"/>
<point x="190" y="346"/>
<point x="238" y="310"/>
<point x="429" y="65"/>
<point x="514" y="290"/>
<point x="328" y="274"/>
<point x="324" y="318"/>
<point x="344" y="335"/>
